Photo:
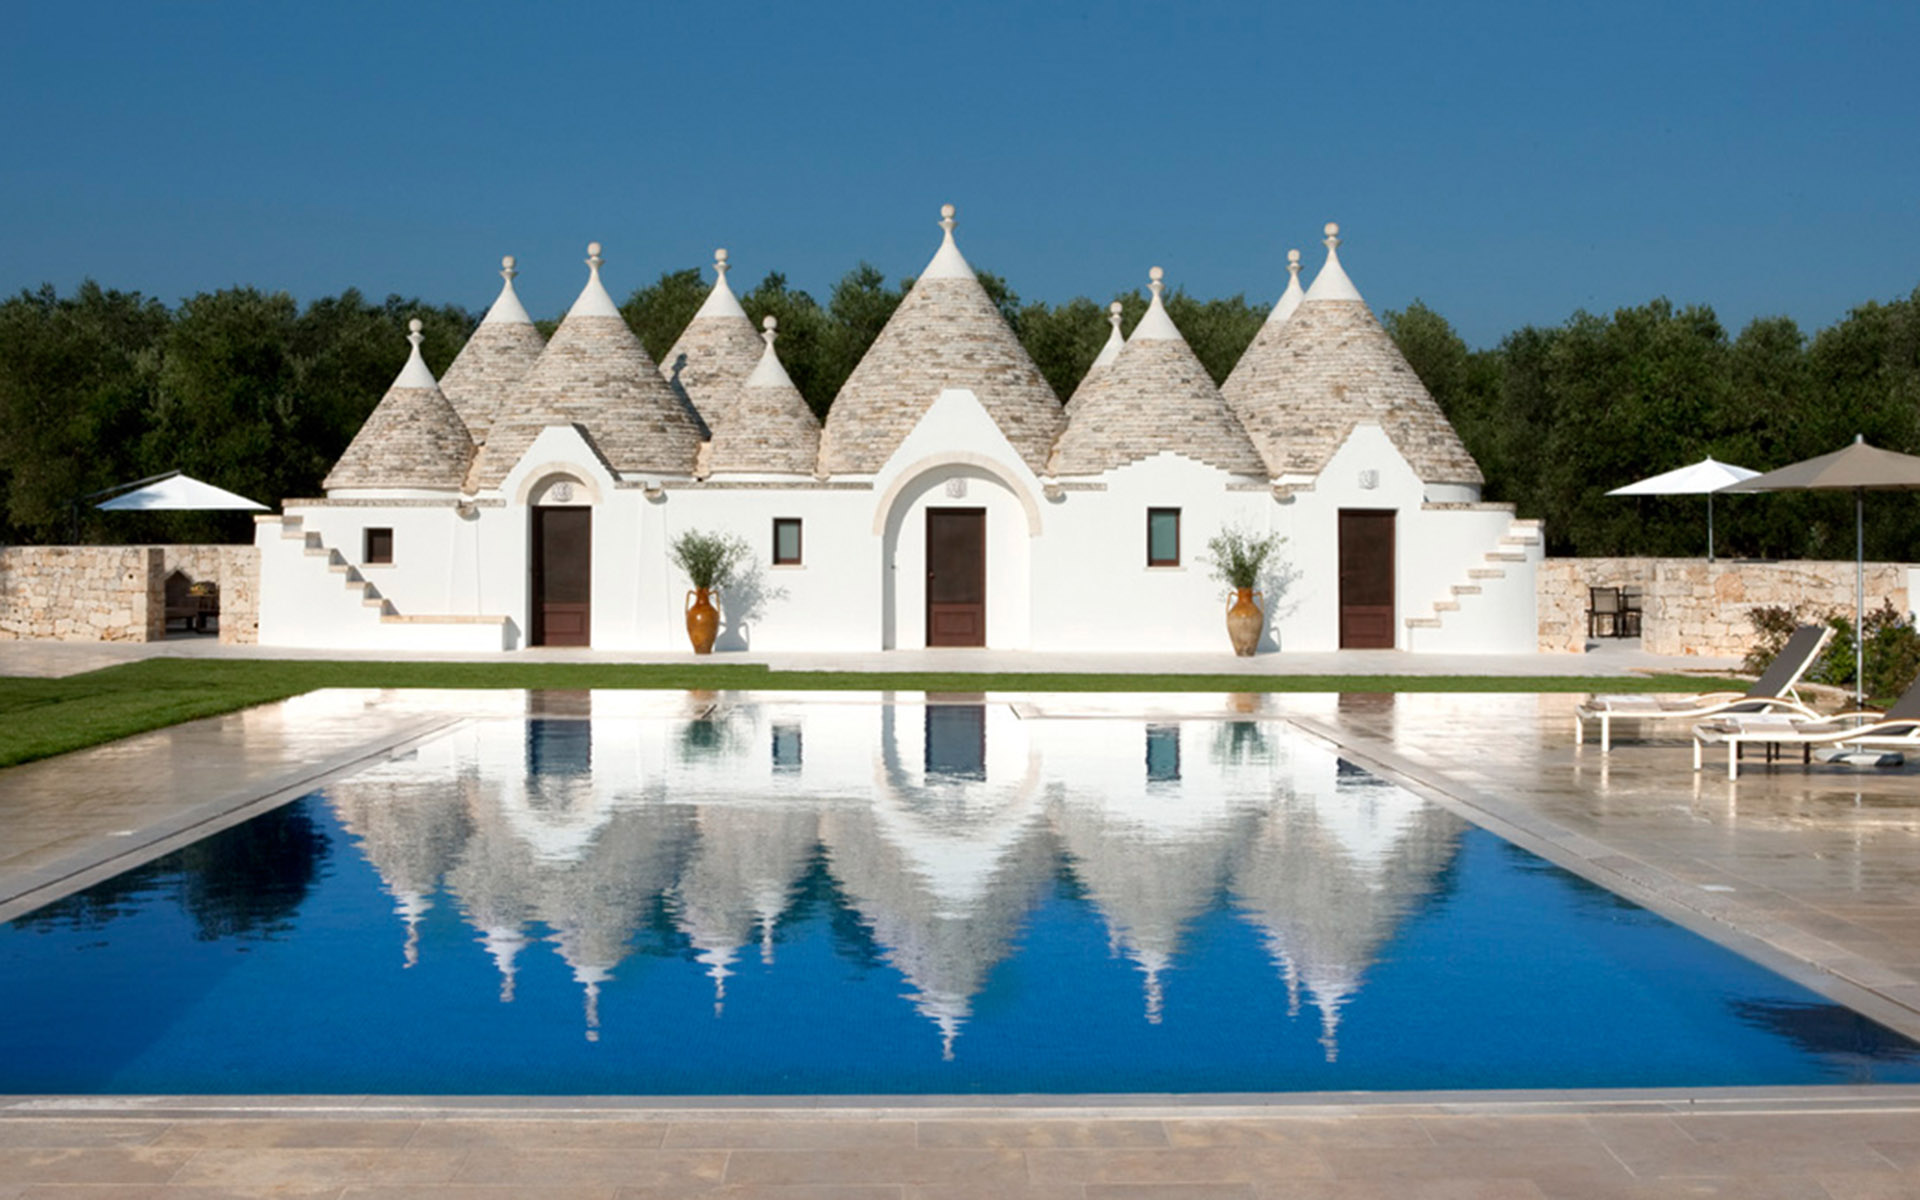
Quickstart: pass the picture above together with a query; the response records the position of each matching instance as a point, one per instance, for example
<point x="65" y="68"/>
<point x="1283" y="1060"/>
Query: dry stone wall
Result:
<point x="1689" y="606"/>
<point x="118" y="593"/>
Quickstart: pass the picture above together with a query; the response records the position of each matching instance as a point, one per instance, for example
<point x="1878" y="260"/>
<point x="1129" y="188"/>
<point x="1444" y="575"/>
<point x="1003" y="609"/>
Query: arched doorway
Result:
<point x="957" y="553"/>
<point x="560" y="564"/>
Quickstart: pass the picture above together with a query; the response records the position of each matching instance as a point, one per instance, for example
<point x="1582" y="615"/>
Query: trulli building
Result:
<point x="529" y="497"/>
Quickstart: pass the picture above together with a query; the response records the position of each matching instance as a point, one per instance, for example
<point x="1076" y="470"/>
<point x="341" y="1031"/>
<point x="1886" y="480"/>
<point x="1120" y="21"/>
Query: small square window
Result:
<point x="786" y="748"/>
<point x="379" y="546"/>
<point x="1163" y="537"/>
<point x="1163" y="753"/>
<point x="786" y="541"/>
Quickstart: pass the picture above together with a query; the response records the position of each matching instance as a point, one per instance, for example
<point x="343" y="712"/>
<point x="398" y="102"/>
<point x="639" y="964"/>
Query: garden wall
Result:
<point x="118" y="593"/>
<point x="1690" y="606"/>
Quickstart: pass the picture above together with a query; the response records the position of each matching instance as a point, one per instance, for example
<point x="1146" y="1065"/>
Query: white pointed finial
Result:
<point x="1113" y="314"/>
<point x="1293" y="261"/>
<point x="1154" y="284"/>
<point x="720" y="263"/>
<point x="593" y="255"/>
<point x="946" y="218"/>
<point x="1332" y="282"/>
<point x="413" y="332"/>
<point x="507" y="271"/>
<point x="768" y="324"/>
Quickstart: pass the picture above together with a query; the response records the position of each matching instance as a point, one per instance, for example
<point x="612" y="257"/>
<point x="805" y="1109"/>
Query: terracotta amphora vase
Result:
<point x="703" y="620"/>
<point x="1244" y="622"/>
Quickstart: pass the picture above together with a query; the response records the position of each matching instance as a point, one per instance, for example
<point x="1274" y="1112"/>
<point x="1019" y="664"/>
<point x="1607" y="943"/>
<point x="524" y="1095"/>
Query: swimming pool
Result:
<point x="849" y="897"/>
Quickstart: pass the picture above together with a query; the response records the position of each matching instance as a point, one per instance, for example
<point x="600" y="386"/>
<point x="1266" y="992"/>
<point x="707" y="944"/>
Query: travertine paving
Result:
<point x="1816" y="869"/>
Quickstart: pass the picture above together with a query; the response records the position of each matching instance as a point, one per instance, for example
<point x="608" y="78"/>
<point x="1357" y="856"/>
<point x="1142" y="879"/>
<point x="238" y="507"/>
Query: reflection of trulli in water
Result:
<point x="597" y="905"/>
<point x="602" y="847"/>
<point x="409" y="819"/>
<point x="739" y="878"/>
<point x="495" y="883"/>
<point x="1332" y="871"/>
<point x="1152" y="852"/>
<point x="945" y="864"/>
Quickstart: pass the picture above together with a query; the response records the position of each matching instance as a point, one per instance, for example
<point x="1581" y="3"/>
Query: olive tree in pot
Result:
<point x="709" y="561"/>
<point x="1239" y="558"/>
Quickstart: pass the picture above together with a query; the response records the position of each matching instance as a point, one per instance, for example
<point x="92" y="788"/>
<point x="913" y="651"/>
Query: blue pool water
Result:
<point x="882" y="900"/>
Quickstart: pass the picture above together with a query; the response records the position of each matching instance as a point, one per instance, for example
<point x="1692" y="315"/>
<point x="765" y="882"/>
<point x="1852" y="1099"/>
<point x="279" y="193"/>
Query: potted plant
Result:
<point x="709" y="561"/>
<point x="1239" y="557"/>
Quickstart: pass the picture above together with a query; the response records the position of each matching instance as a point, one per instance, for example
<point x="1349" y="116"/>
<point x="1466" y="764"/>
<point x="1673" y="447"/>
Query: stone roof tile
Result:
<point x="1155" y="396"/>
<point x="945" y="334"/>
<point x="498" y="355"/>
<point x="715" y="353"/>
<point x="1309" y="378"/>
<point x="765" y="425"/>
<point x="596" y="376"/>
<point x="412" y="439"/>
<point x="1102" y="360"/>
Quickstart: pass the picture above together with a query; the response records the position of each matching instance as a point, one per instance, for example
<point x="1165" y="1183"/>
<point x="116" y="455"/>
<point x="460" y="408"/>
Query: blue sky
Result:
<point x="1507" y="163"/>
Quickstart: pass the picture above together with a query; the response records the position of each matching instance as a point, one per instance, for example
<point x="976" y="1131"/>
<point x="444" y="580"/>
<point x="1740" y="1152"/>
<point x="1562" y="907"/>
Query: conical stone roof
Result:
<point x="765" y="425"/>
<point x="945" y="334"/>
<point x="715" y="352"/>
<point x="1155" y="396"/>
<point x="1307" y="380"/>
<point x="1102" y="360"/>
<point x="498" y="356"/>
<point x="412" y="439"/>
<point x="595" y="375"/>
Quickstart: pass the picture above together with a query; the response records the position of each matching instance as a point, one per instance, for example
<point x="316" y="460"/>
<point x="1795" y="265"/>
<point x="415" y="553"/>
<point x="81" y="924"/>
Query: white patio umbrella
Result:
<point x="1704" y="477"/>
<point x="173" y="490"/>
<point x="1859" y="469"/>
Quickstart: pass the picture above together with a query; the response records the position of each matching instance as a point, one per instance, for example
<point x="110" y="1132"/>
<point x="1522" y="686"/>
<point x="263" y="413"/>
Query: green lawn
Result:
<point x="44" y="717"/>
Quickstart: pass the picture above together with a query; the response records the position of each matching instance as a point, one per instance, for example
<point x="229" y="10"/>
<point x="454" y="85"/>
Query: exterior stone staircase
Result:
<point x="344" y="608"/>
<point x="1476" y="614"/>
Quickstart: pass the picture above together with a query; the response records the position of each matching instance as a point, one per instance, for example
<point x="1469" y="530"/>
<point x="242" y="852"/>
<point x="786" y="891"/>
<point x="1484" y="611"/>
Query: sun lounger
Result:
<point x="1896" y="729"/>
<point x="1772" y="692"/>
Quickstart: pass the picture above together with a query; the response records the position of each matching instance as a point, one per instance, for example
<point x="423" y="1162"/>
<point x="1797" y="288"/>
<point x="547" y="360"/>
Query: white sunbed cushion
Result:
<point x="1631" y="703"/>
<point x="1763" y="722"/>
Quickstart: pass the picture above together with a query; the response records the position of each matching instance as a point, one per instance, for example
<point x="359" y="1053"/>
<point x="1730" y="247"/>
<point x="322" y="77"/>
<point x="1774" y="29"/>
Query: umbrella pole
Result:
<point x="1709" y="526"/>
<point x="1859" y="599"/>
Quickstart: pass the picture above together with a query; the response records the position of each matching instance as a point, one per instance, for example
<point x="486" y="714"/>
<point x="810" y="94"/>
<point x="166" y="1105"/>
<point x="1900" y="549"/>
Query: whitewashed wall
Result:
<point x="1093" y="587"/>
<point x="1062" y="573"/>
<point x="830" y="601"/>
<point x="1434" y="549"/>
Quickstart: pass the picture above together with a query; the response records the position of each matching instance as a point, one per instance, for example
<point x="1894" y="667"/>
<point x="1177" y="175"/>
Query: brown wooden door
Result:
<point x="1366" y="579"/>
<point x="562" y="575"/>
<point x="956" y="577"/>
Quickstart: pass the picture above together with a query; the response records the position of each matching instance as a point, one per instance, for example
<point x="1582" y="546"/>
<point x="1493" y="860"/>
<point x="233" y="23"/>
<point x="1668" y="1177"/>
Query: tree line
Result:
<point x="249" y="390"/>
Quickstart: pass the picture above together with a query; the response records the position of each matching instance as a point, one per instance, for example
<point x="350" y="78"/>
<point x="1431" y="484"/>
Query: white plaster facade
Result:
<point x="1065" y="561"/>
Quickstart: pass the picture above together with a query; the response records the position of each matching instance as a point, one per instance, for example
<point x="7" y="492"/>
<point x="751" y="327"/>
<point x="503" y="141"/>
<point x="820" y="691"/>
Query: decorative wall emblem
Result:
<point x="957" y="488"/>
<point x="1369" y="480"/>
<point x="562" y="492"/>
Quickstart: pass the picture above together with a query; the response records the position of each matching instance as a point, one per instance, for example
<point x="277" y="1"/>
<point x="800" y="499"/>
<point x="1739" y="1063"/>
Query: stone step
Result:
<point x="1466" y="589"/>
<point x="1441" y="606"/>
<point x="1506" y="556"/>
<point x="1423" y="622"/>
<point x="1486" y="573"/>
